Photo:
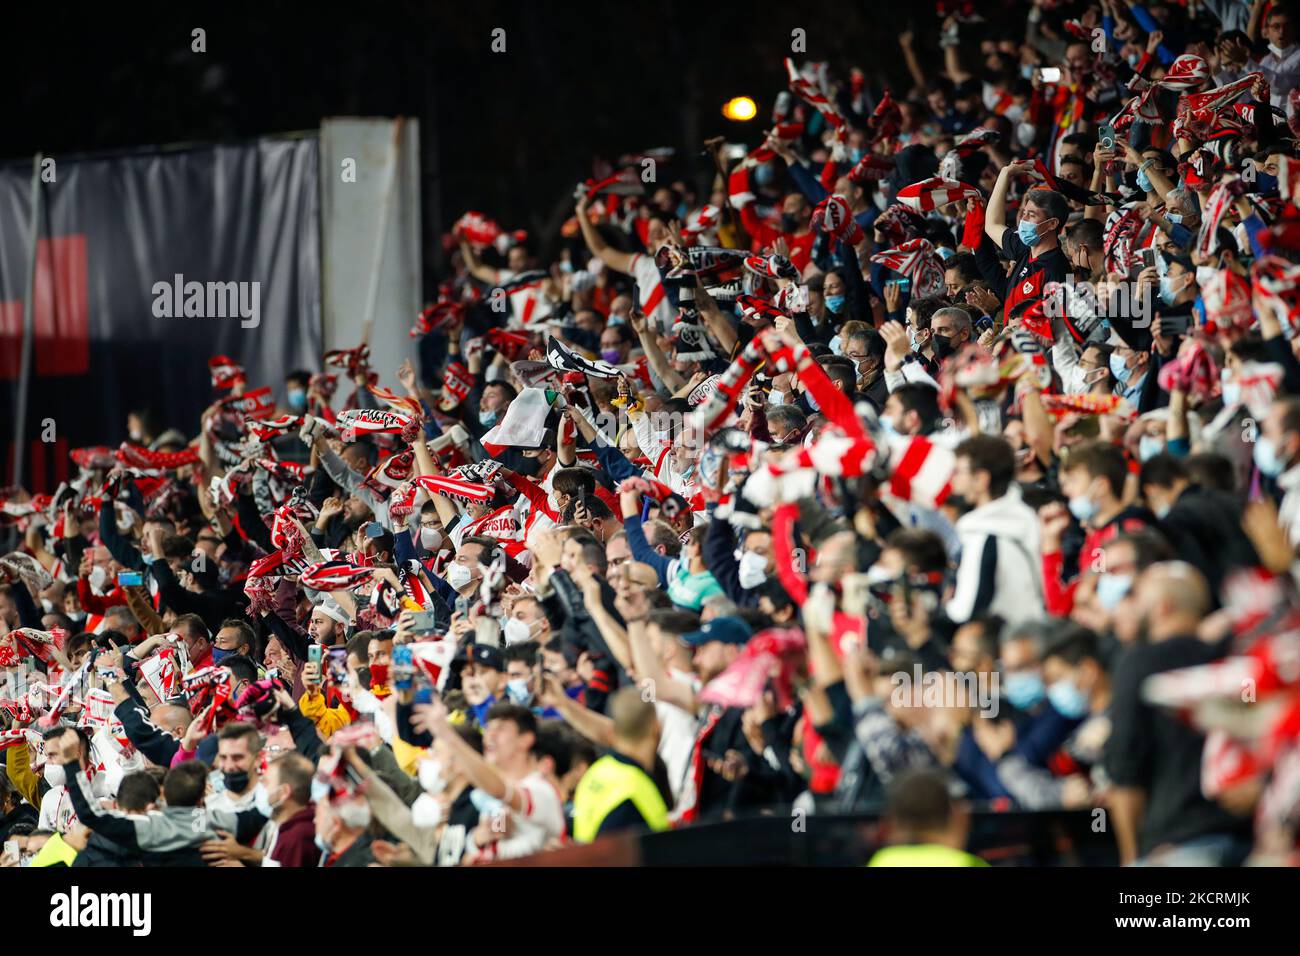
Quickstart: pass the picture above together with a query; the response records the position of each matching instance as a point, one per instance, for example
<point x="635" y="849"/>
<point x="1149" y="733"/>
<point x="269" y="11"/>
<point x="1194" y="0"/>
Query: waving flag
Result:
<point x="335" y="575"/>
<point x="524" y="425"/>
<point x="917" y="260"/>
<point x="934" y="193"/>
<point x="457" y="488"/>
<point x="563" y="358"/>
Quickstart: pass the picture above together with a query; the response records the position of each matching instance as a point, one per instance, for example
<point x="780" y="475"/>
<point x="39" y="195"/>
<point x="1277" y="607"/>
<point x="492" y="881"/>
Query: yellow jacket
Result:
<point x="18" y="765"/>
<point x="408" y="756"/>
<point x="55" y="853"/>
<point x="326" y="719"/>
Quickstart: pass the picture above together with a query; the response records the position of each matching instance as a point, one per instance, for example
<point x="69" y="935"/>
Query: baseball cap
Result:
<point x="728" y="629"/>
<point x="488" y="656"/>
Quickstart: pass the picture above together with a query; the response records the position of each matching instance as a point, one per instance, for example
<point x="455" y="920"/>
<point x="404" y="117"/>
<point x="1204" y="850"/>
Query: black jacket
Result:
<point x="101" y="851"/>
<point x="1204" y="526"/>
<point x="214" y="605"/>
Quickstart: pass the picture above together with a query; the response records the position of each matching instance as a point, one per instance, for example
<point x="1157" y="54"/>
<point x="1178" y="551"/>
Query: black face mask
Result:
<point x="236" y="781"/>
<point x="943" y="345"/>
<point x="789" y="222"/>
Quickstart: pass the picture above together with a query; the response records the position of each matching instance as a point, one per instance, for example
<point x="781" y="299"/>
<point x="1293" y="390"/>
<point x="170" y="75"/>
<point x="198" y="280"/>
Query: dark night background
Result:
<point x="507" y="134"/>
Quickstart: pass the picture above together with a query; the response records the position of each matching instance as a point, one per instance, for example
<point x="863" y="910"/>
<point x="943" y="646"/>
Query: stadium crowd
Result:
<point x="940" y="450"/>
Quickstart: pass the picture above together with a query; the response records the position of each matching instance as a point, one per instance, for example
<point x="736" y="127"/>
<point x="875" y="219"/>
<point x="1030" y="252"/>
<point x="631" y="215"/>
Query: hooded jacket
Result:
<point x="1000" y="571"/>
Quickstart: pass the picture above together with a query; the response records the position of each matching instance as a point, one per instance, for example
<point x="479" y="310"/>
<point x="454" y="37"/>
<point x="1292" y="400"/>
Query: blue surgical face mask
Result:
<point x="1083" y="507"/>
<point x="1144" y="183"/>
<point x="1175" y="217"/>
<point x="1266" y="457"/>
<point x="1121" y="371"/>
<point x="1167" y="291"/>
<point x="812" y="402"/>
<point x="1028" y="233"/>
<point x="1068" y="700"/>
<point x="1149" y="446"/>
<point x="262" y="801"/>
<point x="487" y="419"/>
<point x="834" y="303"/>
<point x="518" y="692"/>
<point x="1024" y="689"/>
<point x="220" y="654"/>
<point x="320" y="790"/>
<point x="297" y="399"/>
<point x="1111" y="589"/>
<point x="1231" y="393"/>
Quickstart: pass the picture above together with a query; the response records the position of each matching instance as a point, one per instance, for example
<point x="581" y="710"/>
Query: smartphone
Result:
<point x="1175" y="324"/>
<point x="11" y="851"/>
<point x="1106" y="137"/>
<point x="130" y="579"/>
<point x="903" y="284"/>
<point x="315" y="654"/>
<point x="424" y="622"/>
<point x="1050" y="74"/>
<point x="337" y="665"/>
<point x="403" y="668"/>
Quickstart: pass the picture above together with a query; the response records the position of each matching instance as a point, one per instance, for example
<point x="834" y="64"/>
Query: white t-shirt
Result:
<point x="676" y="734"/>
<point x="541" y="821"/>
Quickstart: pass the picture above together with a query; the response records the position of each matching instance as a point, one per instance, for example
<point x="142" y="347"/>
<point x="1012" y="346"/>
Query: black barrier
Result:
<point x="1002" y="838"/>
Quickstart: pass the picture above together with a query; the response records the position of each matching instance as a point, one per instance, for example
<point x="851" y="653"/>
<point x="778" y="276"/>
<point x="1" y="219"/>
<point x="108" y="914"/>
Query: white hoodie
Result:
<point x="1001" y="562"/>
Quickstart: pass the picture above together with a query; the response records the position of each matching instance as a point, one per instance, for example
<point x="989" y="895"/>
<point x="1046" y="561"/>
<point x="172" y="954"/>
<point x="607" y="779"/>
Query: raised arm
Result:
<point x="616" y="260"/>
<point x="671" y="378"/>
<point x="995" y="216"/>
<point x="475" y="265"/>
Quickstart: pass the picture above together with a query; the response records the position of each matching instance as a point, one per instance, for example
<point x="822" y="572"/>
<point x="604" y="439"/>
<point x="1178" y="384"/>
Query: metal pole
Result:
<point x="29" y="323"/>
<point x="372" y="300"/>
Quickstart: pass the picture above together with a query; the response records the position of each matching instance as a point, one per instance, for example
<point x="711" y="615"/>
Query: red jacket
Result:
<point x="92" y="603"/>
<point x="295" y="843"/>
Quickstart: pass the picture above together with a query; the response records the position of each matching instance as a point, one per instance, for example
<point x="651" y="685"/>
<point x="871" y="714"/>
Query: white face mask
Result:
<point x="426" y="812"/>
<point x="431" y="538"/>
<point x="518" y="631"/>
<point x="459" y="575"/>
<point x="98" y="578"/>
<point x="753" y="569"/>
<point x="354" y="814"/>
<point x="1204" y="274"/>
<point x="55" y="775"/>
<point x="775" y="398"/>
<point x="431" y="778"/>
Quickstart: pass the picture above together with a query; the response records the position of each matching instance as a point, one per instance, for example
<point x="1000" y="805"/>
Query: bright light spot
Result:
<point x="740" y="109"/>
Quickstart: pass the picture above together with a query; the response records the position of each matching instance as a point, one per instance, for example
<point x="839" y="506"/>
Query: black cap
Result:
<point x="487" y="656"/>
